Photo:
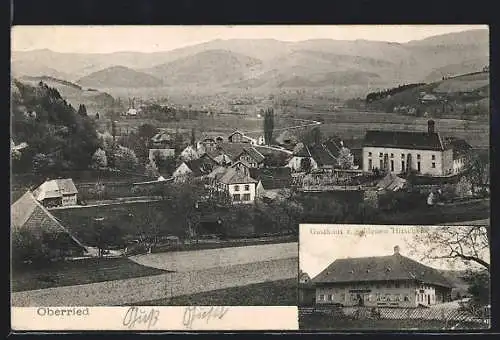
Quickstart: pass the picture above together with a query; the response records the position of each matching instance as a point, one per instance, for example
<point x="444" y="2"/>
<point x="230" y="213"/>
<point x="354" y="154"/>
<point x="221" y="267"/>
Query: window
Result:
<point x="378" y="296"/>
<point x="388" y="297"/>
<point x="418" y="166"/>
<point x="330" y="297"/>
<point x="370" y="165"/>
<point x="342" y="297"/>
<point x="369" y="154"/>
<point x="407" y="298"/>
<point x="321" y="297"/>
<point x="396" y="285"/>
<point x="433" y="157"/>
<point x="236" y="188"/>
<point x="392" y="155"/>
<point x="402" y="155"/>
<point x="236" y="197"/>
<point x="246" y="197"/>
<point x="247" y="187"/>
<point x="433" y="165"/>
<point x="392" y="165"/>
<point x="381" y="154"/>
<point x="403" y="166"/>
<point x="418" y="156"/>
<point x="381" y="164"/>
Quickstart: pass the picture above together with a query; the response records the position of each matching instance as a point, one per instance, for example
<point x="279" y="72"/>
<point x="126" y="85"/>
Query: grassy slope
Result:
<point x="274" y="293"/>
<point x="78" y="272"/>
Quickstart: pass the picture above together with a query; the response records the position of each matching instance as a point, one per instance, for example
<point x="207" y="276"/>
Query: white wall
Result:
<point x="294" y="163"/>
<point x="443" y="163"/>
<point x="69" y="200"/>
<point x="251" y="190"/>
<point x="182" y="170"/>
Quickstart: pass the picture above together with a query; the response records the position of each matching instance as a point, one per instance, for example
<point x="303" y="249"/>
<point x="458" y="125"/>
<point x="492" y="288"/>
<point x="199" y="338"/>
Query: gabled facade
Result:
<point x="251" y="157"/>
<point x="57" y="192"/>
<point x="196" y="168"/>
<point x="240" y="137"/>
<point x="383" y="281"/>
<point x="236" y="182"/>
<point x="300" y="153"/>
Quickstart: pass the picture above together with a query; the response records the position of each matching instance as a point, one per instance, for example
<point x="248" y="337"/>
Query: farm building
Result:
<point x="300" y="153"/>
<point x="273" y="178"/>
<point x="161" y="140"/>
<point x="27" y="214"/>
<point x="389" y="281"/>
<point x="240" y="137"/>
<point x="235" y="181"/>
<point x="403" y="151"/>
<point x="57" y="192"/>
<point x="196" y="168"/>
<point x="251" y="157"/>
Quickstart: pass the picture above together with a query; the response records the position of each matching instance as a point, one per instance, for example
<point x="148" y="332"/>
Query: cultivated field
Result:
<point x="182" y="261"/>
<point x="137" y="290"/>
<point x="272" y="293"/>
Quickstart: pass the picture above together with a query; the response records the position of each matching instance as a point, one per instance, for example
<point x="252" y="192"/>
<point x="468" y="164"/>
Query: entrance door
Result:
<point x="428" y="299"/>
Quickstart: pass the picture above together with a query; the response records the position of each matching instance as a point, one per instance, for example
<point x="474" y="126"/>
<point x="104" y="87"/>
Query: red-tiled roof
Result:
<point x="381" y="268"/>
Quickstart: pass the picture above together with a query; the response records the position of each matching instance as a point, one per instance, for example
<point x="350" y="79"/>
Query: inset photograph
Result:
<point x="370" y="277"/>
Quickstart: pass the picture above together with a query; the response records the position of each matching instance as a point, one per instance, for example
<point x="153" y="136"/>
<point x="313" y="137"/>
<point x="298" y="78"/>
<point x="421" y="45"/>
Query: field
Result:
<point x="79" y="272"/>
<point x="464" y="83"/>
<point x="273" y="293"/>
<point x="156" y="287"/>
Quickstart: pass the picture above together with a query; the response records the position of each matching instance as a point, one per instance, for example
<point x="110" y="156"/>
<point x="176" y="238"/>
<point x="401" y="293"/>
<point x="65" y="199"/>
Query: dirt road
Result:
<point x="136" y="290"/>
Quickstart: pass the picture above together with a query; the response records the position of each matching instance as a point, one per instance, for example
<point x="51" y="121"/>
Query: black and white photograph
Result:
<point x="172" y="165"/>
<point x="362" y="277"/>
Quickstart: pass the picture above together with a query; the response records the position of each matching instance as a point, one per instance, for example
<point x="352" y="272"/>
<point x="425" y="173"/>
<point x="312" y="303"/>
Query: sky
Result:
<point x="317" y="251"/>
<point x="108" y="39"/>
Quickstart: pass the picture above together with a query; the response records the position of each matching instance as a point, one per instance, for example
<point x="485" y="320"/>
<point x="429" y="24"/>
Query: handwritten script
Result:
<point x="136" y="316"/>
<point x="191" y="314"/>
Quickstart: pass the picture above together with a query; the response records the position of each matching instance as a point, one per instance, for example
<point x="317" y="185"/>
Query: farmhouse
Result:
<point x="235" y="181"/>
<point x="300" y="153"/>
<point x="273" y="178"/>
<point x="207" y="144"/>
<point x="195" y="168"/>
<point x="161" y="140"/>
<point x="27" y="214"/>
<point x="57" y="192"/>
<point x="389" y="281"/>
<point x="462" y="153"/>
<point x="189" y="153"/>
<point x="404" y="151"/>
<point x="240" y="137"/>
<point x="251" y="157"/>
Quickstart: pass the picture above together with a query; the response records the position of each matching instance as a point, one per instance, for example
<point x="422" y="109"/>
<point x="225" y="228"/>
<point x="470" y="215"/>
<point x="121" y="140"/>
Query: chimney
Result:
<point x="430" y="126"/>
<point x="396" y="250"/>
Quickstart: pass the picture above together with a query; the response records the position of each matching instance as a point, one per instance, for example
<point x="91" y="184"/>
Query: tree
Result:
<point x="193" y="137"/>
<point x="99" y="159"/>
<point x="152" y="170"/>
<point x="82" y="110"/>
<point x="125" y="159"/>
<point x="478" y="174"/>
<point x="28" y="248"/>
<point x="165" y="165"/>
<point x="345" y="159"/>
<point x="146" y="131"/>
<point x="305" y="164"/>
<point x="455" y="243"/>
<point x="268" y="125"/>
<point x="42" y="164"/>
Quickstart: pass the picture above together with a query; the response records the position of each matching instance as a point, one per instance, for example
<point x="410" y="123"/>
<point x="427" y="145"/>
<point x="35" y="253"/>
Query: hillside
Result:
<point x="460" y="97"/>
<point x="119" y="76"/>
<point x="94" y="101"/>
<point x="212" y="67"/>
<point x="351" y="67"/>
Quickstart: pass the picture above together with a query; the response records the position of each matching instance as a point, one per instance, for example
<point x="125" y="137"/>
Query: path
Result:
<point x="107" y="203"/>
<point x="136" y="290"/>
<point x="182" y="261"/>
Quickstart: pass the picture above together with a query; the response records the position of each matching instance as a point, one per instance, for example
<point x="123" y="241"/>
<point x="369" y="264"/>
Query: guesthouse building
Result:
<point x="381" y="281"/>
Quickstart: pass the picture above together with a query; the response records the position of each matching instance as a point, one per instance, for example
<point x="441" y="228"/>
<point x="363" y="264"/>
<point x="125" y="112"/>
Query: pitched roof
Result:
<point x="391" y="182"/>
<point x="380" y="268"/>
<point x="273" y="178"/>
<point x="55" y="188"/>
<point x="252" y="152"/>
<point x="27" y="213"/>
<point x="233" y="150"/>
<point x="404" y="140"/>
<point x="233" y="176"/>
<point x="322" y="156"/>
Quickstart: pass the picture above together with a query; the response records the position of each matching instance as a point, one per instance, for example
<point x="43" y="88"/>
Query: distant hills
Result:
<point x="119" y="76"/>
<point x="267" y="64"/>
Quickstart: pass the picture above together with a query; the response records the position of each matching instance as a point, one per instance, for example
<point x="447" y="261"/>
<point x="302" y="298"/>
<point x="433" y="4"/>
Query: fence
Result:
<point x="320" y="317"/>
